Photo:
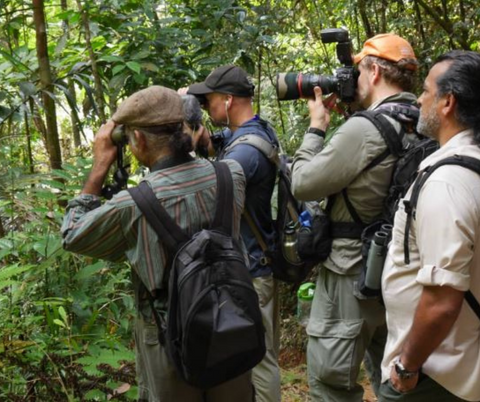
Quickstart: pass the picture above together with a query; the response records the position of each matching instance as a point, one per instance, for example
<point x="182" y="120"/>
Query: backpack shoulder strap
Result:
<point x="167" y="230"/>
<point x="473" y="302"/>
<point x="265" y="147"/>
<point x="271" y="152"/>
<point x="165" y="227"/>
<point x="222" y="220"/>
<point x="392" y="138"/>
<point x="411" y="206"/>
<point x="405" y="113"/>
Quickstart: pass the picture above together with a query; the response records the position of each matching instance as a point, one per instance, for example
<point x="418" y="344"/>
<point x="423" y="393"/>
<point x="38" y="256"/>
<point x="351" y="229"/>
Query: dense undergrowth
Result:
<point x="67" y="332"/>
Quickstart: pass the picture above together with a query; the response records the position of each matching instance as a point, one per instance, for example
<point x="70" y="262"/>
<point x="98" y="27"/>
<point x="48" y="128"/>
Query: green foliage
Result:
<point x="64" y="311"/>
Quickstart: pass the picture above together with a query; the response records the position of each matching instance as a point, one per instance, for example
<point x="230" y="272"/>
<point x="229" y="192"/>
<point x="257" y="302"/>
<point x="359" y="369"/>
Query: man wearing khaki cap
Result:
<point x="353" y="170"/>
<point x="118" y="231"/>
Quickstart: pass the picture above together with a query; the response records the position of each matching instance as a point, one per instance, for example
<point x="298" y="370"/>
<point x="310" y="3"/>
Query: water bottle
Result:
<point x="290" y="244"/>
<point x="375" y="260"/>
<point x="304" y="302"/>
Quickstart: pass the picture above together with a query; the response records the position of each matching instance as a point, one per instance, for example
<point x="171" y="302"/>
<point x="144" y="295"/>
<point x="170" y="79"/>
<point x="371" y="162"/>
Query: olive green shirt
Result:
<point x="321" y="171"/>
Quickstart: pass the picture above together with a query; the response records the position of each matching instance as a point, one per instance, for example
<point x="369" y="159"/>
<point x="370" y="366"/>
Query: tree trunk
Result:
<point x="52" y="140"/>
<point x="446" y="25"/>
<point x="419" y="21"/>
<point x="96" y="75"/>
<point x="383" y="15"/>
<point x="463" y="17"/>
<point x="77" y="142"/>
<point x="259" y="80"/>
<point x="29" y="144"/>
<point x="362" y="8"/>
<point x="71" y="86"/>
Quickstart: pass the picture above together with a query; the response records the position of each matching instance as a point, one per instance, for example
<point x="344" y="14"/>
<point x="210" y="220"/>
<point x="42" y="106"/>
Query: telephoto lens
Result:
<point x="297" y="85"/>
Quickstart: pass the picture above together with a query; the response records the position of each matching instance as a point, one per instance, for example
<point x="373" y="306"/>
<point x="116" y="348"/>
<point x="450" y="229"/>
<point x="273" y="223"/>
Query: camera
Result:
<point x="343" y="82"/>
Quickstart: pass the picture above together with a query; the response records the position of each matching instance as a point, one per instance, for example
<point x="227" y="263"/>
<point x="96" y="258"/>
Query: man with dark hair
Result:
<point x="354" y="171"/>
<point x="117" y="230"/>
<point x="432" y="351"/>
<point x="227" y="95"/>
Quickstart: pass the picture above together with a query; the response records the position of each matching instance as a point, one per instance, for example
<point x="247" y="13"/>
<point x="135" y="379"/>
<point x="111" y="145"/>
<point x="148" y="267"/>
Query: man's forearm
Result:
<point x="435" y="316"/>
<point x="95" y="180"/>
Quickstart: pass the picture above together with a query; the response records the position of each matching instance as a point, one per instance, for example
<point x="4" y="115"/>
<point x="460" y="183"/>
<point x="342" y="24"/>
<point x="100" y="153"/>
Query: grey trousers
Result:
<point x="266" y="375"/>
<point x="159" y="382"/>
<point x="343" y="331"/>
<point x="426" y="390"/>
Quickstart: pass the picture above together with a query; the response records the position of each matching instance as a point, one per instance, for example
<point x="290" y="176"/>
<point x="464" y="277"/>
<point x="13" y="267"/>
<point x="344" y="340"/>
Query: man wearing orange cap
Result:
<point x="354" y="171"/>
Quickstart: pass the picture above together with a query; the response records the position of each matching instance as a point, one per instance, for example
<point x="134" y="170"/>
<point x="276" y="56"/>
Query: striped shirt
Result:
<point x="117" y="230"/>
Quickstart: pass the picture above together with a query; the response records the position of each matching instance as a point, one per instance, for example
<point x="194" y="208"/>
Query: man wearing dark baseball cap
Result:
<point x="117" y="231"/>
<point x="225" y="80"/>
<point x="227" y="96"/>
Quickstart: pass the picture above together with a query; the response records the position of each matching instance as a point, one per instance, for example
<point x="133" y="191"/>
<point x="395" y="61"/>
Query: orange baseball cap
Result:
<point x="389" y="47"/>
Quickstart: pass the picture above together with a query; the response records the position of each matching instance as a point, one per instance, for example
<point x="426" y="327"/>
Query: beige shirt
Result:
<point x="442" y="244"/>
<point x="320" y="171"/>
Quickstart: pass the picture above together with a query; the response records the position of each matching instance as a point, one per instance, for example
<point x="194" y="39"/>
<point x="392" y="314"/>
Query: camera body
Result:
<point x="343" y="82"/>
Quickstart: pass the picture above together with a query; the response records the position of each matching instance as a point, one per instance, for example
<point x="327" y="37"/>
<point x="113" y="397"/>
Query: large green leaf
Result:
<point x="105" y="356"/>
<point x="11" y="271"/>
<point x="47" y="246"/>
<point x="134" y="66"/>
<point x="89" y="270"/>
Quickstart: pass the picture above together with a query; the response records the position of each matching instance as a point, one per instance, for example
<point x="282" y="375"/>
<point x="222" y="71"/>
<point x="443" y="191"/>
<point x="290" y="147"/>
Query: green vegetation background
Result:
<point x="66" y="330"/>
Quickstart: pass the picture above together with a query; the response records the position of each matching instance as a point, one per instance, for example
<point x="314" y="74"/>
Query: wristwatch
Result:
<point x="402" y="372"/>
<point x="317" y="131"/>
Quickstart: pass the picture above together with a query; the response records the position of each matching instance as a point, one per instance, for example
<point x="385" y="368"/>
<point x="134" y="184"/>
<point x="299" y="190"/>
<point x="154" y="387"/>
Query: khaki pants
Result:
<point x="343" y="331"/>
<point x="159" y="382"/>
<point x="426" y="390"/>
<point x="266" y="375"/>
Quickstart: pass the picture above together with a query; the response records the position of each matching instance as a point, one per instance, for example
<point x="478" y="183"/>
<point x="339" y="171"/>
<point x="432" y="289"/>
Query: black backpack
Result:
<point x="411" y="206"/>
<point x="214" y="329"/>
<point x="409" y="156"/>
<point x="291" y="260"/>
<point x="409" y="153"/>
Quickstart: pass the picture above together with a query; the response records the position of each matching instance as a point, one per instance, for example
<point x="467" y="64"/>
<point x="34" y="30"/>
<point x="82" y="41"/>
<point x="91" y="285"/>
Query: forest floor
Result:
<point x="294" y="378"/>
<point x="292" y="354"/>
